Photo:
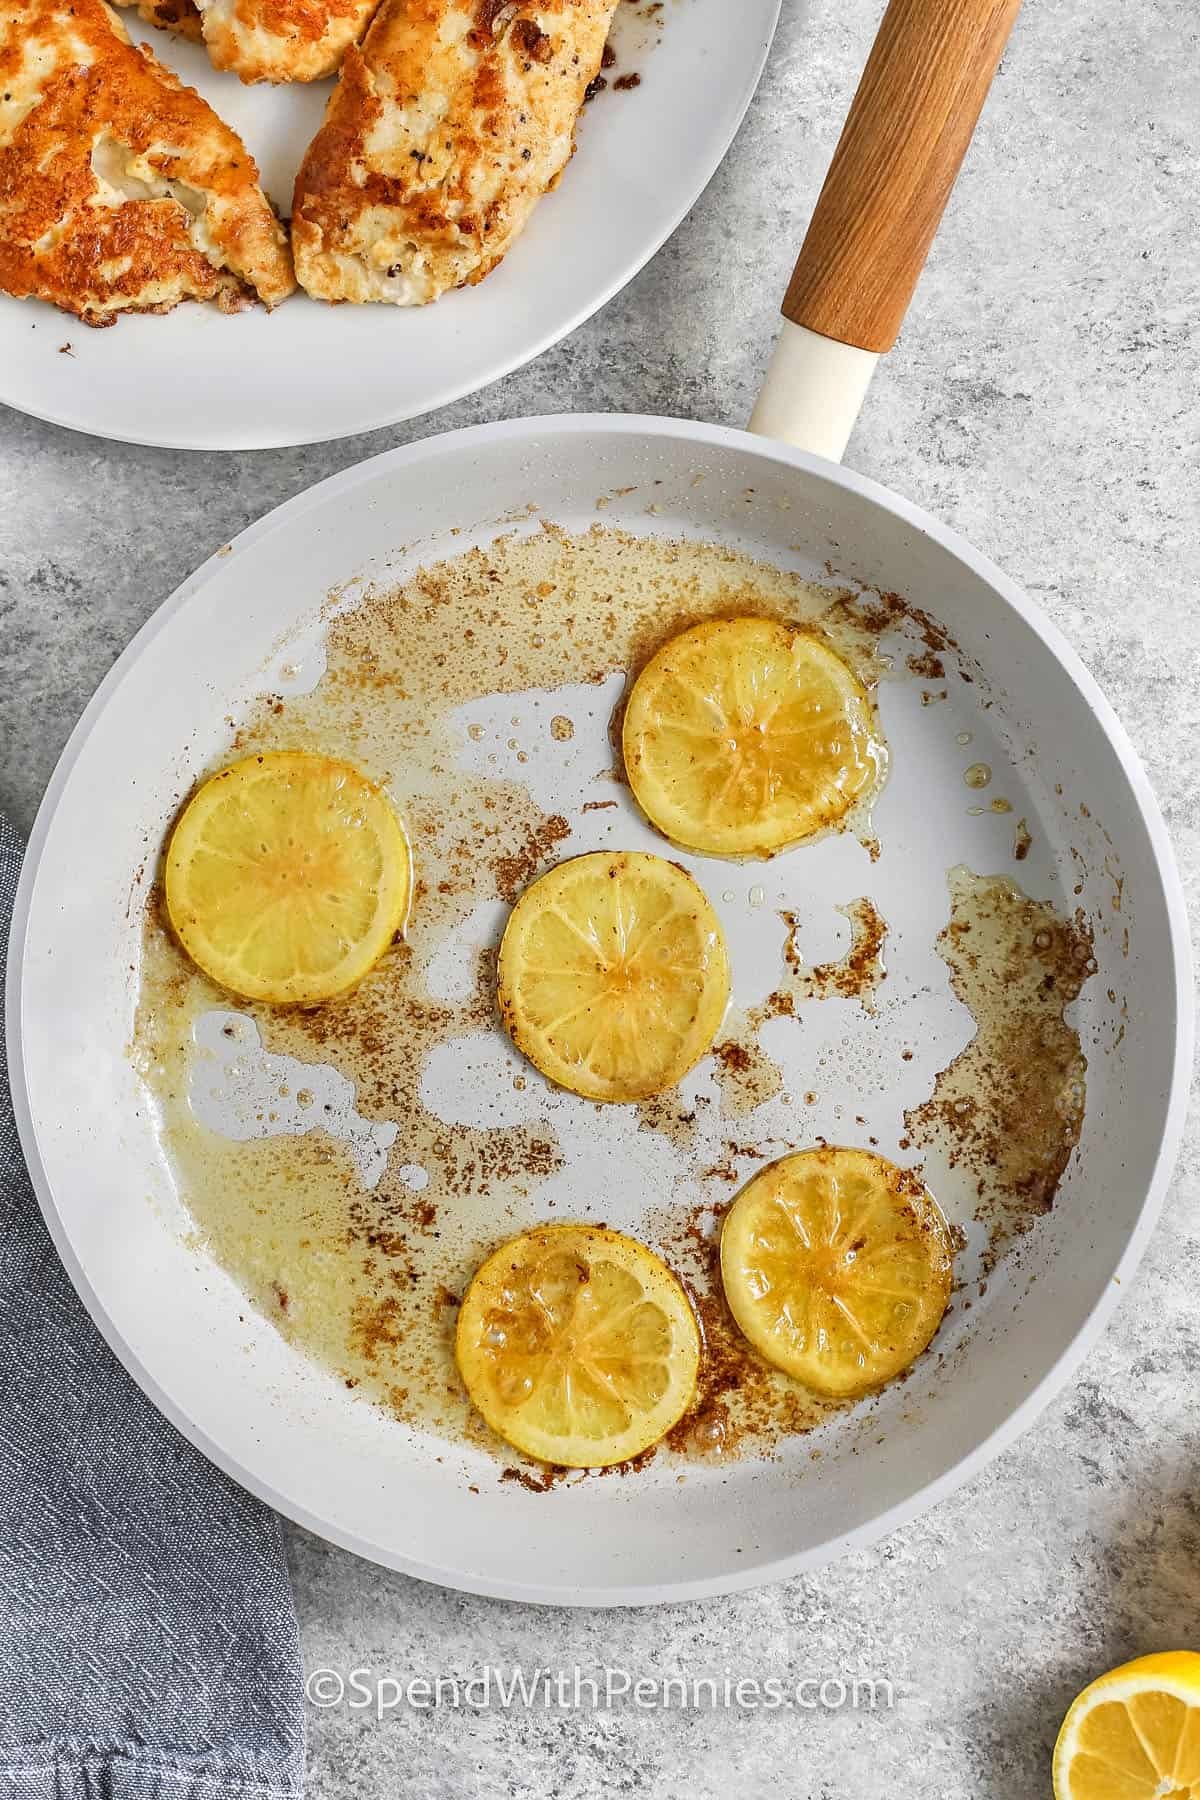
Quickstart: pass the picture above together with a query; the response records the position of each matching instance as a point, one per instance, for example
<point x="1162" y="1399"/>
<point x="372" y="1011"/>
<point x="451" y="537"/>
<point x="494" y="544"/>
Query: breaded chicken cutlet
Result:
<point x="282" y="40"/>
<point x="265" y="40"/>
<point x="182" y="16"/>
<point x="443" y="133"/>
<point x="120" y="189"/>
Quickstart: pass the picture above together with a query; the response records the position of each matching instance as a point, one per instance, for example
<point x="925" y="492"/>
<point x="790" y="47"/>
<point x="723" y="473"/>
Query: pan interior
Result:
<point x="256" y="622"/>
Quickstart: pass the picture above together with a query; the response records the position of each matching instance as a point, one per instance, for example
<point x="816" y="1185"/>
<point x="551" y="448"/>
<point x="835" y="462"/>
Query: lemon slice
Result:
<point x="745" y="736"/>
<point x="578" y="1345"/>
<point x="613" y="974"/>
<point x="836" y="1266"/>
<point x="1134" y="1734"/>
<point x="287" y="877"/>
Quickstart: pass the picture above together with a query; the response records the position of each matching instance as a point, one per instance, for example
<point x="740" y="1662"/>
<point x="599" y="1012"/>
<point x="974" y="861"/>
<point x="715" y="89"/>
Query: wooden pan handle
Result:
<point x="908" y="130"/>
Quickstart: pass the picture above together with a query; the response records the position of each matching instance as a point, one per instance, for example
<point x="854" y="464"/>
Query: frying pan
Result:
<point x="275" y="1421"/>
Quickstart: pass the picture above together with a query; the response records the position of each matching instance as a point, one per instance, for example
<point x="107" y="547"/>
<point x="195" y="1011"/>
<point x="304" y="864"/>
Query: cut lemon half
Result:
<point x="578" y="1345"/>
<point x="836" y="1266"/>
<point x="745" y="736"/>
<point x="1134" y="1734"/>
<point x="287" y="877"/>
<point x="613" y="974"/>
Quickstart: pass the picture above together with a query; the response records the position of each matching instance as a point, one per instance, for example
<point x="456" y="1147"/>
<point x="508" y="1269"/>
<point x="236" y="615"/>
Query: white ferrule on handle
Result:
<point x="813" y="391"/>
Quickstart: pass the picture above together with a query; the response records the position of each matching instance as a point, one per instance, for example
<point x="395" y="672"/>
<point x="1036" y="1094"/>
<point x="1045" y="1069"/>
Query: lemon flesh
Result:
<point x="743" y="737"/>
<point x="836" y="1266"/>
<point x="287" y="877"/>
<point x="578" y="1345"/>
<point x="1134" y="1734"/>
<point x="613" y="975"/>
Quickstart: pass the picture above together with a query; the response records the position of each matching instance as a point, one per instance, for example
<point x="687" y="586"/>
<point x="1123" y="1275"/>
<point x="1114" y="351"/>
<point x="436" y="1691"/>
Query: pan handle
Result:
<point x="909" y="126"/>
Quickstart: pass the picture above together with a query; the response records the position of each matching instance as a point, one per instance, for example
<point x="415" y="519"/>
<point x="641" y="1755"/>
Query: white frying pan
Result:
<point x="436" y="1508"/>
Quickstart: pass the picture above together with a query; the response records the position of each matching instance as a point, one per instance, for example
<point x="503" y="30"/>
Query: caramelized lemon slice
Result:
<point x="1134" y="1734"/>
<point x="578" y="1345"/>
<point x="744" y="736"/>
<point x="613" y="975"/>
<point x="287" y="877"/>
<point x="836" y="1266"/>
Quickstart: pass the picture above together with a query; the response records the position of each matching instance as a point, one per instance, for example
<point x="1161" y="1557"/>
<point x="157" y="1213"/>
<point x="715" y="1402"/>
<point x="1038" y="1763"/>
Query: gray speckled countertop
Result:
<point x="1043" y="399"/>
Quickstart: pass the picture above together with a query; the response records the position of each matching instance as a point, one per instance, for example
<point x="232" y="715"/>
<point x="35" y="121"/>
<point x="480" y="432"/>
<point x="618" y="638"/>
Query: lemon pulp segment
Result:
<point x="836" y="1266"/>
<point x="1134" y="1734"/>
<point x="613" y="974"/>
<point x="745" y="736"/>
<point x="287" y="877"/>
<point x="578" y="1345"/>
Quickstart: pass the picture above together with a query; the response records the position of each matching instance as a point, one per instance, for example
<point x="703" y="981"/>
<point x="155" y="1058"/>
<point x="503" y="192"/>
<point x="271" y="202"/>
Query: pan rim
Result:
<point x="770" y="1570"/>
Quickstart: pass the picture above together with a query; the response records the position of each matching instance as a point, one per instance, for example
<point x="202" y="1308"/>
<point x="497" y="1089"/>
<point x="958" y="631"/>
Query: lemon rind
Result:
<point x="662" y="1283"/>
<point x="1156" y="1673"/>
<point x="530" y="1040"/>
<point x="747" y="1318"/>
<point x="391" y="920"/>
<point x="755" y="845"/>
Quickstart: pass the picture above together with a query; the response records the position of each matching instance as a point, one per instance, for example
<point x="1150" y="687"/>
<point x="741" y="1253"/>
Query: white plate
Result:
<point x="197" y="380"/>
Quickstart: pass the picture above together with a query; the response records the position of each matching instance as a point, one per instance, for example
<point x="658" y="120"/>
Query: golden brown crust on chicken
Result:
<point x="120" y="189"/>
<point x="182" y="16"/>
<point x="282" y="40"/>
<point x="440" y="138"/>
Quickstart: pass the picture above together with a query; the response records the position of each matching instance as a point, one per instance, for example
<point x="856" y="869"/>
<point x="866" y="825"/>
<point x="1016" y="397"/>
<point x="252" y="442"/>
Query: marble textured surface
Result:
<point x="1044" y="398"/>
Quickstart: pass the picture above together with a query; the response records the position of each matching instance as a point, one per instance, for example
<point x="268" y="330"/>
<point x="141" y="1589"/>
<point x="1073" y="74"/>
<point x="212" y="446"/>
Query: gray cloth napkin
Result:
<point x="148" y="1646"/>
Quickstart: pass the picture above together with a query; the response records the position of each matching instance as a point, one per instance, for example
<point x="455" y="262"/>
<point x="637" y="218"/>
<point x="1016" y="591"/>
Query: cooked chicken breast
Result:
<point x="170" y="15"/>
<point x="282" y="40"/>
<point x="120" y="189"/>
<point x="439" y="140"/>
